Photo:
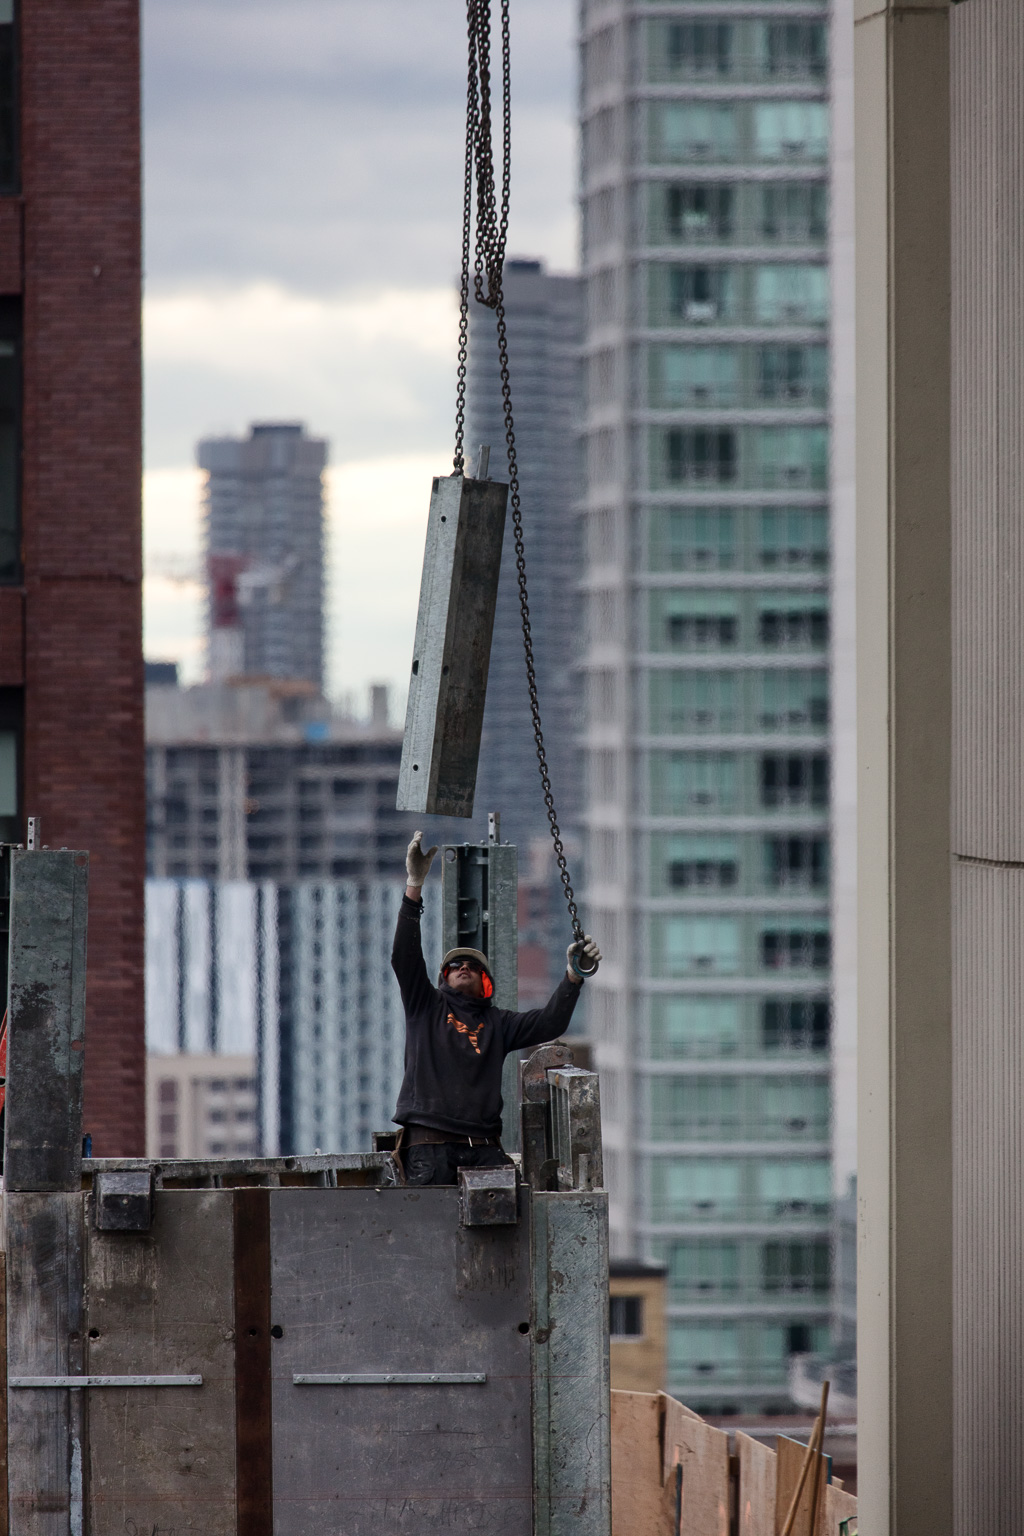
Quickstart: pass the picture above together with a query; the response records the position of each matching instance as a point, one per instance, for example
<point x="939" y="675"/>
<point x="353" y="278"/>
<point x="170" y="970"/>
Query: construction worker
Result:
<point x="456" y="1042"/>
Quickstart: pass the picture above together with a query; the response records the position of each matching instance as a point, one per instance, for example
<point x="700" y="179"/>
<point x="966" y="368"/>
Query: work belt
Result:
<point x="426" y="1136"/>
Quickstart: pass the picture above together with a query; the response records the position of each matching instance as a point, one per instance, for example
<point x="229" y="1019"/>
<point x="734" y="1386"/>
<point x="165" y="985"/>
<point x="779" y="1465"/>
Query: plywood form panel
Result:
<point x="839" y="1506"/>
<point x="638" y="1494"/>
<point x="789" y="1461"/>
<point x="162" y="1302"/>
<point x="757" y="1487"/>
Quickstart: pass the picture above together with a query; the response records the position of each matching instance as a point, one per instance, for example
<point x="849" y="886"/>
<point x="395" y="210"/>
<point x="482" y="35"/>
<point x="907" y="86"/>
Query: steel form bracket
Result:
<point x="452" y="650"/>
<point x="576" y="1127"/>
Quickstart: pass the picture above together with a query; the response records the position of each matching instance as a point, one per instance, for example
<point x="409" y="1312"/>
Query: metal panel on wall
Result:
<point x="162" y="1303"/>
<point x="385" y="1283"/>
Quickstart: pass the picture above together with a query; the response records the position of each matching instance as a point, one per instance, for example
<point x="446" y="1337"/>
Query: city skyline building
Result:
<point x="705" y="168"/>
<point x="294" y="976"/>
<point x="263" y="533"/>
<point x="544" y="316"/>
<point x="263" y="781"/>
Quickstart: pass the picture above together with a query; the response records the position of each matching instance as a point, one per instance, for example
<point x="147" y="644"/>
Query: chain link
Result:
<point x="488" y="264"/>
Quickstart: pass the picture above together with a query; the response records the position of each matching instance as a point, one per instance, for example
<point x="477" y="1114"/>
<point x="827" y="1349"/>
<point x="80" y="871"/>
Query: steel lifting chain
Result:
<point x="487" y="257"/>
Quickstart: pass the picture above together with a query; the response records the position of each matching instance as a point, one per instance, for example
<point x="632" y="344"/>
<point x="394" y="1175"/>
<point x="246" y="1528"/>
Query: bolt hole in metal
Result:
<point x="94" y="1333"/>
<point x="253" y="1333"/>
<point x="524" y="1327"/>
<point x="415" y="667"/>
<point x="277" y="1332"/>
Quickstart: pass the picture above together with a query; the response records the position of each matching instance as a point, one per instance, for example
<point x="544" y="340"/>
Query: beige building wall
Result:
<point x="201" y="1106"/>
<point x="904" y="1281"/>
<point x="842" y="603"/>
<point x="639" y="1361"/>
<point x="987" y="142"/>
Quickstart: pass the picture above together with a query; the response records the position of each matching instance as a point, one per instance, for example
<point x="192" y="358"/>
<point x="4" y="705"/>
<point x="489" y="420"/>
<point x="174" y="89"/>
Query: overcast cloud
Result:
<point x="303" y="191"/>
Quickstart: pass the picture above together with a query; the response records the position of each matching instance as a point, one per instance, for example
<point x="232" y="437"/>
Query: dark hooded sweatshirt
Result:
<point x="455" y="1046"/>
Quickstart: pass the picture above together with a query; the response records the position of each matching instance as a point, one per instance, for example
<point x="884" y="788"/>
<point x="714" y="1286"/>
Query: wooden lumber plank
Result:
<point x="253" y="1387"/>
<point x="839" y="1505"/>
<point x="757" y="1487"/>
<point x="162" y="1302"/>
<point x="44" y="1237"/>
<point x="703" y="1454"/>
<point x="671" y="1410"/>
<point x="637" y="1484"/>
<point x="790" y="1459"/>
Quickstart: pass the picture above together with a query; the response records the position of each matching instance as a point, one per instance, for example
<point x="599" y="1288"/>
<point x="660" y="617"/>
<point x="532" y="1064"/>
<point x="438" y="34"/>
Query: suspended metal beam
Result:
<point x="452" y="652"/>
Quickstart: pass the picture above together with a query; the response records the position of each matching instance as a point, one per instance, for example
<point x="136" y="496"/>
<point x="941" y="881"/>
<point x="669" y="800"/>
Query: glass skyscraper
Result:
<point x="705" y="259"/>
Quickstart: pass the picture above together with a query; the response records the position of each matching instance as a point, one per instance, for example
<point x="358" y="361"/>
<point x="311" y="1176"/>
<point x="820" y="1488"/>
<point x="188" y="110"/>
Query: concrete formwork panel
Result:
<point x="387" y="1283"/>
<point x="161" y="1303"/>
<point x="571" y="1377"/>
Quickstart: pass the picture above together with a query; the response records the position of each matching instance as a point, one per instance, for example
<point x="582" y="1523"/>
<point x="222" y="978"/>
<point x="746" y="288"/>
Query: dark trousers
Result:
<point x="439" y="1162"/>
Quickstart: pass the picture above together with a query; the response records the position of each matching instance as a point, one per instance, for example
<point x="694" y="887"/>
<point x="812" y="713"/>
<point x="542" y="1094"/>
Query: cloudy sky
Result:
<point x="303" y="190"/>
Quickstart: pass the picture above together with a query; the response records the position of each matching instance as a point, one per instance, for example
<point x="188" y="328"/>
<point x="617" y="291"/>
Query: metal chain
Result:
<point x="488" y="272"/>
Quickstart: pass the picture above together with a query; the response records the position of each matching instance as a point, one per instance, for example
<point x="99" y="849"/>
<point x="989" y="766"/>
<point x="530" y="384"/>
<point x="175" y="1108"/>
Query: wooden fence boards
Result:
<point x="757" y="1487"/>
<point x="839" y="1505"/>
<point x="671" y="1477"/>
<point x="703" y="1453"/>
<point x="790" y="1459"/>
<point x="643" y="1504"/>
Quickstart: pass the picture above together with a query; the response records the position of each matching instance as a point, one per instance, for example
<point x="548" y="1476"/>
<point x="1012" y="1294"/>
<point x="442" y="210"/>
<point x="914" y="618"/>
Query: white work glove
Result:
<point x="586" y="948"/>
<point x="418" y="860"/>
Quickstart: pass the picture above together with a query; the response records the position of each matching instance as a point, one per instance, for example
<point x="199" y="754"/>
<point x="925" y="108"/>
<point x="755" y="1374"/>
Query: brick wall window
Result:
<point x="8" y="99"/>
<point x="626" y="1317"/>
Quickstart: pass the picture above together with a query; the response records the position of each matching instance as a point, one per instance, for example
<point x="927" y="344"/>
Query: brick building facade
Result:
<point x="70" y="477"/>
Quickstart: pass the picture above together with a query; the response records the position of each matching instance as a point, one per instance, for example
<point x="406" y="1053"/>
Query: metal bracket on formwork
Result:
<point x="123" y="1200"/>
<point x="488" y="1197"/>
<point x="540" y="1166"/>
<point x="452" y="650"/>
<point x="576" y="1127"/>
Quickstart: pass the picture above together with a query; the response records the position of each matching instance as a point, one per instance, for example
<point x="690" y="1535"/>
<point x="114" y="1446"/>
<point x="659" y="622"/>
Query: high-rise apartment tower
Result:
<point x="705" y="204"/>
<point x="544" y="331"/>
<point x="264" y="537"/>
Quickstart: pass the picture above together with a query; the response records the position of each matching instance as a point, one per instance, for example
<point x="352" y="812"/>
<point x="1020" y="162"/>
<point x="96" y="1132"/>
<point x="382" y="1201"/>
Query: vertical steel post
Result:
<point x="45" y="1020"/>
<point x="571" y="1379"/>
<point x="479" y="899"/>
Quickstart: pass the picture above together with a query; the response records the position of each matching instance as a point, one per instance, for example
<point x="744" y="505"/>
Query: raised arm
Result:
<point x="407" y="951"/>
<point x="541" y="1024"/>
